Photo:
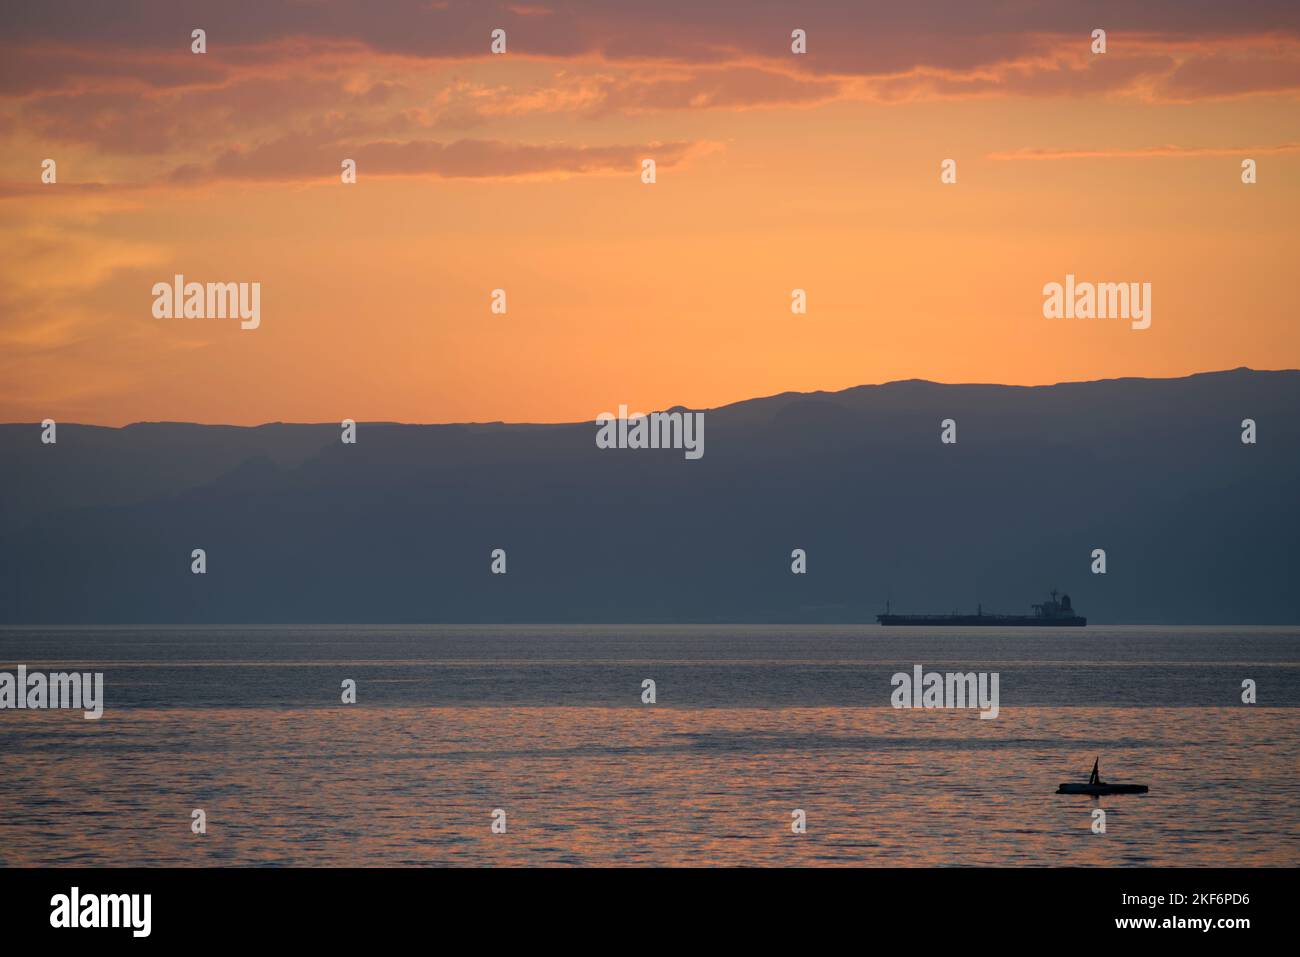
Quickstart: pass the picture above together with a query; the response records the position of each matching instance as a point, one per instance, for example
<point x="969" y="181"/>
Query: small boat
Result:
<point x="1097" y="787"/>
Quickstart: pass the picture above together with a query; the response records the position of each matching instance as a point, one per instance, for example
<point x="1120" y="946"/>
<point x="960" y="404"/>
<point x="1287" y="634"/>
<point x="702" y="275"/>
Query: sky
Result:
<point x="522" y="171"/>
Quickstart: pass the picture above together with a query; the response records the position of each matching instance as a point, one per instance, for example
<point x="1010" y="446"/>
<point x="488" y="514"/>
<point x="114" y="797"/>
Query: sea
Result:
<point x="768" y="745"/>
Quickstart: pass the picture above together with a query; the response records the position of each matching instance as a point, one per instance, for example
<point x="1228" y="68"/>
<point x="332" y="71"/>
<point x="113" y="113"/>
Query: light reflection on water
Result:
<point x="751" y="724"/>
<point x="416" y="786"/>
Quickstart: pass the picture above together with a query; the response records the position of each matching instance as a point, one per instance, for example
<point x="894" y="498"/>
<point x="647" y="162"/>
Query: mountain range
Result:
<point x="298" y="527"/>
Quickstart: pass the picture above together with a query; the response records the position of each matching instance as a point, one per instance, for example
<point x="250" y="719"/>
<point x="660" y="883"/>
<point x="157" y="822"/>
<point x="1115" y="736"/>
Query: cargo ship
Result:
<point x="1050" y="614"/>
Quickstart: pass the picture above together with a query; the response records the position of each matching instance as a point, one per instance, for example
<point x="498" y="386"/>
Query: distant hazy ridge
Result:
<point x="1198" y="528"/>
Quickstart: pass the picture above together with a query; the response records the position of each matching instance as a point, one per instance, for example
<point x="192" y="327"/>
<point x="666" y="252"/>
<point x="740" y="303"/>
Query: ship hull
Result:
<point x="1097" y="790"/>
<point x="984" y="621"/>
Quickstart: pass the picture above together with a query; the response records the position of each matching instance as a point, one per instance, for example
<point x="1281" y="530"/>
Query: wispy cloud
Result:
<point x="1144" y="152"/>
<point x="290" y="158"/>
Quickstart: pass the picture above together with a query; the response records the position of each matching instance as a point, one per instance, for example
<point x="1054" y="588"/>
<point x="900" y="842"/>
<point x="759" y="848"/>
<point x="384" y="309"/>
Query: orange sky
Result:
<point x="521" y="172"/>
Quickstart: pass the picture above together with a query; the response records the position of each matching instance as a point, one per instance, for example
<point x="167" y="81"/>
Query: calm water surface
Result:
<point x="751" y="722"/>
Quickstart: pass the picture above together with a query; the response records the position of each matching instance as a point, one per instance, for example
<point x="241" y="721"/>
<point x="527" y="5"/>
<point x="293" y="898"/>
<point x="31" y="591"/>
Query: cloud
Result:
<point x="738" y="87"/>
<point x="952" y="37"/>
<point x="125" y="122"/>
<point x="57" y="66"/>
<point x="289" y="158"/>
<point x="1146" y="152"/>
<point x="409" y="88"/>
<point x="1269" y="68"/>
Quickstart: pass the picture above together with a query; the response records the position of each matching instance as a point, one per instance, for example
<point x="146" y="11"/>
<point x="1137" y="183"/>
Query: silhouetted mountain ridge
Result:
<point x="298" y="527"/>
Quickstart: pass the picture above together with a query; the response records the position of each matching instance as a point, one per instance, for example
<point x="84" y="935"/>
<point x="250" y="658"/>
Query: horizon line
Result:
<point x="680" y="407"/>
<point x="605" y="624"/>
